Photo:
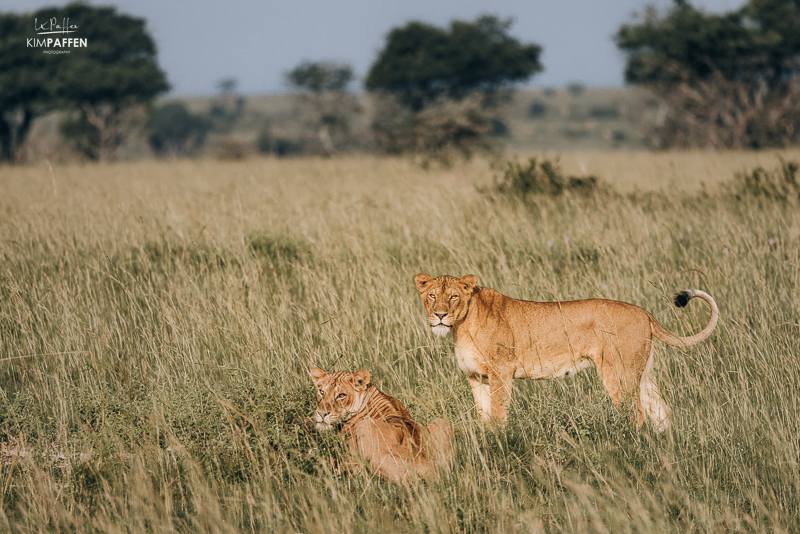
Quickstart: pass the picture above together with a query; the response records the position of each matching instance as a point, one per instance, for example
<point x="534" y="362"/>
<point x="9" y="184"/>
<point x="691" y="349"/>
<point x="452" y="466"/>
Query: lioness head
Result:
<point x="340" y="396"/>
<point x="446" y="299"/>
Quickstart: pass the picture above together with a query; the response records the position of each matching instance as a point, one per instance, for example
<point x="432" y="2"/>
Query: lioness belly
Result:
<point x="471" y="361"/>
<point x="556" y="367"/>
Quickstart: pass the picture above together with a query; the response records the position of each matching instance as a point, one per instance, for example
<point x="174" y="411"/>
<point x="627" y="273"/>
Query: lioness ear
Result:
<point x="468" y="283"/>
<point x="422" y="281"/>
<point x="317" y="374"/>
<point x="361" y="379"/>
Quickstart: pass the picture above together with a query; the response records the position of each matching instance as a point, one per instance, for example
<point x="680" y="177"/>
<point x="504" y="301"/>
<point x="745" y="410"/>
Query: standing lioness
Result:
<point x="498" y="339"/>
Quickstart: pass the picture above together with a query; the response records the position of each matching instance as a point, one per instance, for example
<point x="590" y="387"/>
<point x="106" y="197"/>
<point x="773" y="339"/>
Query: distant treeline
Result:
<point x="716" y="81"/>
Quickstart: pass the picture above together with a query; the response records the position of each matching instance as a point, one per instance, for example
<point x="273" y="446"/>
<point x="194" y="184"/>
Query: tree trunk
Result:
<point x="14" y="127"/>
<point x="6" y="150"/>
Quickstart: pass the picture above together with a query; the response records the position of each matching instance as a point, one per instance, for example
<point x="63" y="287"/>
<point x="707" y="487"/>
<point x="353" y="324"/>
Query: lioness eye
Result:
<point x="454" y="297"/>
<point x="432" y="296"/>
<point x="340" y="396"/>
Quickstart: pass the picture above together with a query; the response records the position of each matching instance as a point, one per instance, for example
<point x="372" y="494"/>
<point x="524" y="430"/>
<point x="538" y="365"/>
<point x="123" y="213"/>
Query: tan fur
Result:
<point x="498" y="338"/>
<point x="379" y="428"/>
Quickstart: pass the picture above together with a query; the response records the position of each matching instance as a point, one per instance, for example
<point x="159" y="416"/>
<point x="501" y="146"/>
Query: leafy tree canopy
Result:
<point x="320" y="76"/>
<point x="761" y="39"/>
<point x="421" y="62"/>
<point x="119" y="63"/>
<point x="228" y="85"/>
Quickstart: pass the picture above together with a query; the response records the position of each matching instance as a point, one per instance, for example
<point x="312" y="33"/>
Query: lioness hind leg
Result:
<point x="378" y="444"/>
<point x="651" y="404"/>
<point x="612" y="378"/>
<point x="623" y="363"/>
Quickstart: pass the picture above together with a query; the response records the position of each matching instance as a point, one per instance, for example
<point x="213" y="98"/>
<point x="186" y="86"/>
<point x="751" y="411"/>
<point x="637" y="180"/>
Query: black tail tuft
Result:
<point x="682" y="298"/>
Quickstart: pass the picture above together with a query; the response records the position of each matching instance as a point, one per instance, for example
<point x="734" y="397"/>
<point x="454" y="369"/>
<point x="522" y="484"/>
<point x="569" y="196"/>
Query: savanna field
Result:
<point x="158" y="321"/>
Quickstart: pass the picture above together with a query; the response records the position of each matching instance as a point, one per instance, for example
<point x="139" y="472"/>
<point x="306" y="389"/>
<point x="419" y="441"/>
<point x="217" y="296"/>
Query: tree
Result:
<point x="421" y="63"/>
<point x="320" y="76"/>
<point x="725" y="81"/>
<point x="116" y="72"/>
<point x="435" y="89"/>
<point x="322" y="87"/>
<point x="99" y="83"/>
<point x="227" y="106"/>
<point x="25" y="78"/>
<point x="227" y="86"/>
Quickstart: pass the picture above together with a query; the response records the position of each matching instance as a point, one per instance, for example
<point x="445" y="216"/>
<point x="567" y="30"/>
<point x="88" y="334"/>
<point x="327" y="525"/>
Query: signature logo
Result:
<point x="52" y="26"/>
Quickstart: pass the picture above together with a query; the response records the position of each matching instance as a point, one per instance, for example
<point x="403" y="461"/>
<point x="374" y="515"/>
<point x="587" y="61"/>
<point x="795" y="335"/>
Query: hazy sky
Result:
<point x="257" y="41"/>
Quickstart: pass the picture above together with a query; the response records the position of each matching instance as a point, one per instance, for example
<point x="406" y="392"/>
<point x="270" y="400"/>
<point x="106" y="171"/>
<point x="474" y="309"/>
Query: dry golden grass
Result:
<point x="157" y="321"/>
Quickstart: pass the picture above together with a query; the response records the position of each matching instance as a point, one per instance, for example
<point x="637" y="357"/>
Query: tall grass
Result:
<point x="157" y="321"/>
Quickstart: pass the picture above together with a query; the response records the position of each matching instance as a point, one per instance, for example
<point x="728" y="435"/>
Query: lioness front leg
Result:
<point x="480" y="392"/>
<point x="500" y="393"/>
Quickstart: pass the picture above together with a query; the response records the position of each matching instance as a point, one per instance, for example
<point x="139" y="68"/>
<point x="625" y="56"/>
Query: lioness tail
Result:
<point x="681" y="299"/>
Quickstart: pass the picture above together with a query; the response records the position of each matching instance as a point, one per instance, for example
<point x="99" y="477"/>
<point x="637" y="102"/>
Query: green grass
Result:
<point x="157" y="322"/>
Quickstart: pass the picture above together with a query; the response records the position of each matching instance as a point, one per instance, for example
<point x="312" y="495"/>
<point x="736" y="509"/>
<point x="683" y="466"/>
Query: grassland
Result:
<point x="157" y="321"/>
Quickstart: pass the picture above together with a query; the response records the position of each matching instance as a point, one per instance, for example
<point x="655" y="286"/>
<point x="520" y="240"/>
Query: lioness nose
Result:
<point x="440" y="315"/>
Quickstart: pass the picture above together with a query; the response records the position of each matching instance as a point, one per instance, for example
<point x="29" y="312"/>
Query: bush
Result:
<point x="499" y="128"/>
<point x="778" y="184"/>
<point x="604" y="112"/>
<point x="542" y="178"/>
<point x="537" y="109"/>
<point x="440" y="132"/>
<point x="174" y="131"/>
<point x="229" y="148"/>
<point x="278" y="249"/>
<point x="576" y="89"/>
<point x="80" y="135"/>
<point x="267" y="143"/>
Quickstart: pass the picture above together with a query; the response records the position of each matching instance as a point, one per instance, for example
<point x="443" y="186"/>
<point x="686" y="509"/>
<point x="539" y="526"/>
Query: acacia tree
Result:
<point x="25" y="77"/>
<point x="724" y="81"/>
<point x="421" y="63"/>
<point x="323" y="88"/>
<point x="99" y="85"/>
<point x="436" y="84"/>
<point x="106" y="81"/>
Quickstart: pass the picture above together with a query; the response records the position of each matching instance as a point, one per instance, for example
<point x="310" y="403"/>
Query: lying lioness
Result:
<point x="498" y="338"/>
<point x="379" y="428"/>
